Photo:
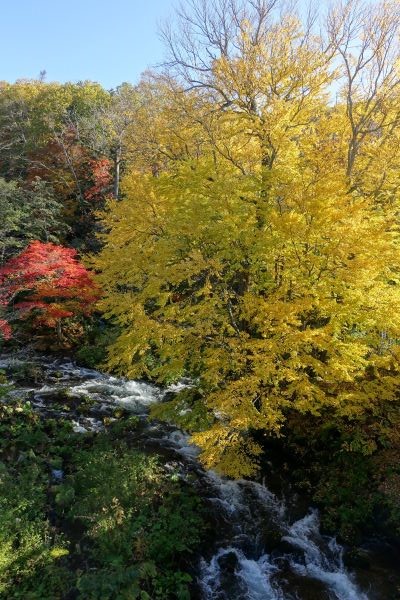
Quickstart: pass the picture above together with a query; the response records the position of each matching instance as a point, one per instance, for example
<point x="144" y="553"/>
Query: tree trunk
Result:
<point x="117" y="164"/>
<point x="59" y="331"/>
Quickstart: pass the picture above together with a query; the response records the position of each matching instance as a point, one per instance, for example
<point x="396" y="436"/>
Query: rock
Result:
<point x="303" y="588"/>
<point x="285" y="548"/>
<point x="228" y="562"/>
<point x="357" y="558"/>
<point x="168" y="396"/>
<point x="57" y="474"/>
<point x="272" y="539"/>
<point x="55" y="375"/>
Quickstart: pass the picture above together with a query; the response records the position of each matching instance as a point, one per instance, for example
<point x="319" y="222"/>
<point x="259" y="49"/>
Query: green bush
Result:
<point x="32" y="550"/>
<point x="186" y="409"/>
<point x="97" y="336"/>
<point x="116" y="526"/>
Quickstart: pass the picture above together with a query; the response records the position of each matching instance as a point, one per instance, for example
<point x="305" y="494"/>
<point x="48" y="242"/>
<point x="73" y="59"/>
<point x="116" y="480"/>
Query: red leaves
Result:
<point x="101" y="178"/>
<point x="71" y="170"/>
<point x="5" y="329"/>
<point x="49" y="281"/>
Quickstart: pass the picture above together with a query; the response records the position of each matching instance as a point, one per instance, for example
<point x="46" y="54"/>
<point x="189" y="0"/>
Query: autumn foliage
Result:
<point x="45" y="282"/>
<point x="100" y="171"/>
<point x="263" y="258"/>
<point x="80" y="175"/>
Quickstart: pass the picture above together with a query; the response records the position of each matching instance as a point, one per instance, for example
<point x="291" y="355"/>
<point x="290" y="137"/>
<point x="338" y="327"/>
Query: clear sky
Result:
<point x="109" y="41"/>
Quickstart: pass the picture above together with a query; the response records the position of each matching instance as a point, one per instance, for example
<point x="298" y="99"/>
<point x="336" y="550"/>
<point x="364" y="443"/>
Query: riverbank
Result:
<point x="113" y="494"/>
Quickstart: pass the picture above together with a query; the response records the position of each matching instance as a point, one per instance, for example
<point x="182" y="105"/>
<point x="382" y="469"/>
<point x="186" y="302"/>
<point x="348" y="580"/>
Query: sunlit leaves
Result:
<point x="47" y="282"/>
<point x="259" y="263"/>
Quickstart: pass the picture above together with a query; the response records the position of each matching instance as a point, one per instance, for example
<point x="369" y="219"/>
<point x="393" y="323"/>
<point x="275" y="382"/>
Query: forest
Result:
<point x="222" y="238"/>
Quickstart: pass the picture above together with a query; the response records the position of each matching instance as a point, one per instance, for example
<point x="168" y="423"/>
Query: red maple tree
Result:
<point x="46" y="282"/>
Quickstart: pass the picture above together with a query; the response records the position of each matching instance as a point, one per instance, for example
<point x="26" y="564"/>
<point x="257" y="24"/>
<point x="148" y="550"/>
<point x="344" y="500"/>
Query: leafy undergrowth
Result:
<point x="88" y="516"/>
<point x="351" y="469"/>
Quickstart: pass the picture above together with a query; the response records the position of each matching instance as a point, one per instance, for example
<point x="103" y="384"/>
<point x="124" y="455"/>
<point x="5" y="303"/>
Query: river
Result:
<point x="265" y="545"/>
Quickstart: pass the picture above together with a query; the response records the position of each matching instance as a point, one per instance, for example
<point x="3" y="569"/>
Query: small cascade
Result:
<point x="298" y="553"/>
<point x="242" y="578"/>
<point x="259" y="551"/>
<point x="322" y="558"/>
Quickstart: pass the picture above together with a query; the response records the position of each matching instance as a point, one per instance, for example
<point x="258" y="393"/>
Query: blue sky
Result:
<point x="109" y="41"/>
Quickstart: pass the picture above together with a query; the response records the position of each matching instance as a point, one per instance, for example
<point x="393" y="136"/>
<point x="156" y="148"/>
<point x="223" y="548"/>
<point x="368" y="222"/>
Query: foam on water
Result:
<point x="240" y="567"/>
<point x="322" y="561"/>
<point x="314" y="556"/>
<point x="254" y="577"/>
<point x="132" y="395"/>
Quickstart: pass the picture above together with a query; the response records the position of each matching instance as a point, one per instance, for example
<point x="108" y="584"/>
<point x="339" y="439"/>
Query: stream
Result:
<point x="266" y="545"/>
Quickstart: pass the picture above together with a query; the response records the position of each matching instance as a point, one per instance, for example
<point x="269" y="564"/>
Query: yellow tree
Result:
<point x="264" y="265"/>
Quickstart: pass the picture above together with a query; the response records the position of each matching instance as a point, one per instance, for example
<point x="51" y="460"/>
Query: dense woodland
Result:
<point x="232" y="218"/>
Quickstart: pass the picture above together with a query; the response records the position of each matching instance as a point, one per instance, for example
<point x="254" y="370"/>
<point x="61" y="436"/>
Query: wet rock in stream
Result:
<point x="261" y="545"/>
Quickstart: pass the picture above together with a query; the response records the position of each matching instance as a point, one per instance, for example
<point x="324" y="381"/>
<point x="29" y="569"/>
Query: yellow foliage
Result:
<point x="258" y="261"/>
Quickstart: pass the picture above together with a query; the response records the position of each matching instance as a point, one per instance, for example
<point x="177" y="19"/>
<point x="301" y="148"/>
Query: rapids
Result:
<point x="261" y="548"/>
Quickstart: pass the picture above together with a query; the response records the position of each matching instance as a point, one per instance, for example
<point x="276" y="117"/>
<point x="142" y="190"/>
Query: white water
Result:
<point x="239" y="568"/>
<point x="314" y="556"/>
<point x="254" y="576"/>
<point x="323" y="558"/>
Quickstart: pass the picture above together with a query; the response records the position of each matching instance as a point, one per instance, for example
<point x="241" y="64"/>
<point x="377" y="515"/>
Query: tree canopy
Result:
<point x="47" y="282"/>
<point x="262" y="256"/>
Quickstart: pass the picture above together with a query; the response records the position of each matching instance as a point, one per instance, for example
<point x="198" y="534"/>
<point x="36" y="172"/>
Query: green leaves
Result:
<point x="120" y="526"/>
<point x="28" y="213"/>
